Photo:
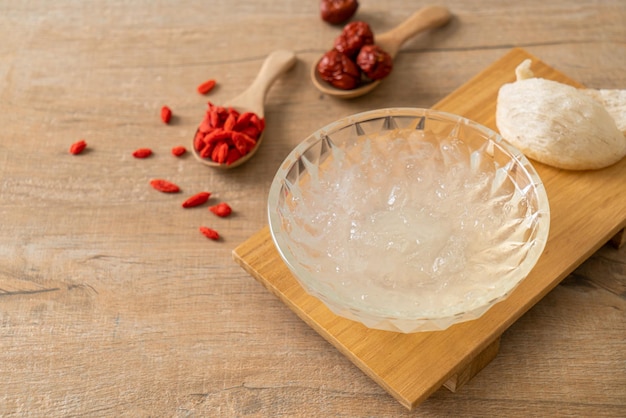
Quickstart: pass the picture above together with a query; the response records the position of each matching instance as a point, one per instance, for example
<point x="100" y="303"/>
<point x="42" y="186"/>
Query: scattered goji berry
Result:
<point x="142" y="153"/>
<point x="221" y="209"/>
<point x="209" y="233"/>
<point x="78" y="147"/>
<point x="166" y="114"/>
<point x="206" y="87"/>
<point x="164" y="186"/>
<point x="196" y="200"/>
<point x="178" y="151"/>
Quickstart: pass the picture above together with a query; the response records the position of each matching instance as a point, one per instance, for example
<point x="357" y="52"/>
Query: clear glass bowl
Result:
<point x="408" y="219"/>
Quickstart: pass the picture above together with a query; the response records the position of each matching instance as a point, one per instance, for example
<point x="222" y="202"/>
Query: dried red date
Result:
<point x="352" y="38"/>
<point x="337" y="11"/>
<point x="339" y="70"/>
<point x="374" y="62"/>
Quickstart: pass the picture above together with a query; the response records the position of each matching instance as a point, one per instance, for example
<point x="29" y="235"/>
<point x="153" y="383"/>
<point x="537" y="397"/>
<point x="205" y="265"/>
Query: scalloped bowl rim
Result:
<point x="370" y="318"/>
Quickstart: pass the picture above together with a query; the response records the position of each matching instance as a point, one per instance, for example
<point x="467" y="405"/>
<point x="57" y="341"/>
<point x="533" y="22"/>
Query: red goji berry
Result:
<point x="178" y="151"/>
<point x="209" y="233"/>
<point x="230" y="122"/>
<point x="142" y="153"/>
<point x="198" y="141"/>
<point x="220" y="152"/>
<point x="164" y="186"/>
<point x="233" y="155"/>
<point x="78" y="147"/>
<point x="214" y="118"/>
<point x="206" y="87"/>
<point x="221" y="209"/>
<point x="258" y="122"/>
<point x="225" y="135"/>
<point x="232" y="111"/>
<point x="244" y="118"/>
<point x="243" y="142"/>
<point x="207" y="150"/>
<point x="196" y="200"/>
<point x="166" y="114"/>
<point x="216" y="136"/>
<point x="206" y="125"/>
<point x="251" y="130"/>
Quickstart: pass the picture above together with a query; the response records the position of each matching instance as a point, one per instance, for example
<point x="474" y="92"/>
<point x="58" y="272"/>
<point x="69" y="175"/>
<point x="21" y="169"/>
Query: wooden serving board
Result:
<point x="588" y="208"/>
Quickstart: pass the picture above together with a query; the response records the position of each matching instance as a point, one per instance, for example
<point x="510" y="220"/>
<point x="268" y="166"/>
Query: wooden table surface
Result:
<point x="113" y="304"/>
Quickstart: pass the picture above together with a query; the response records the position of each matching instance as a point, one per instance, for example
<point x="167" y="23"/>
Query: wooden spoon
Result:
<point x="253" y="99"/>
<point x="428" y="17"/>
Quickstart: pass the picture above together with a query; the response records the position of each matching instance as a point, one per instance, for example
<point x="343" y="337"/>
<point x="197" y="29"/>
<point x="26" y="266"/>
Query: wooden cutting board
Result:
<point x="588" y="208"/>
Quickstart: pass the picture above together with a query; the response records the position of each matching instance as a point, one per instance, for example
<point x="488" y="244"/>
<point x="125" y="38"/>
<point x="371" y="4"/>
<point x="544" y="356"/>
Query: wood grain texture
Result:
<point x="112" y="304"/>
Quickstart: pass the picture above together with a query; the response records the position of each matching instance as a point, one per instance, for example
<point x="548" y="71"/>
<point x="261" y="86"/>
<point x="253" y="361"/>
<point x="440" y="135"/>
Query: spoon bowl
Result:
<point x="428" y="17"/>
<point x="253" y="100"/>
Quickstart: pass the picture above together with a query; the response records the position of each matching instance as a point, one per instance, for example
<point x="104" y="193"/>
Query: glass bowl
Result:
<point x="408" y="219"/>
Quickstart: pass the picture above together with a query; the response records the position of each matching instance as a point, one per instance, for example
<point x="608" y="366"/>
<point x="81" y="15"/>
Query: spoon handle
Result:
<point x="274" y="65"/>
<point x="428" y="17"/>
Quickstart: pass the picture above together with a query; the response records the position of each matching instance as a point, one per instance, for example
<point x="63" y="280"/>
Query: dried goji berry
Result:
<point x="244" y="118"/>
<point x="243" y="143"/>
<point x="198" y="141"/>
<point x="209" y="233"/>
<point x="78" y="147"/>
<point x="233" y="155"/>
<point x="258" y="122"/>
<point x="142" y="153"/>
<point x="217" y="135"/>
<point x="214" y="119"/>
<point x="225" y="135"/>
<point x="220" y="152"/>
<point x="196" y="200"/>
<point x="206" y="87"/>
<point x="230" y="122"/>
<point x="166" y="114"/>
<point x="232" y="111"/>
<point x="178" y="151"/>
<point x="164" y="186"/>
<point x="251" y="130"/>
<point x="207" y="151"/>
<point x="206" y="125"/>
<point x="221" y="209"/>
